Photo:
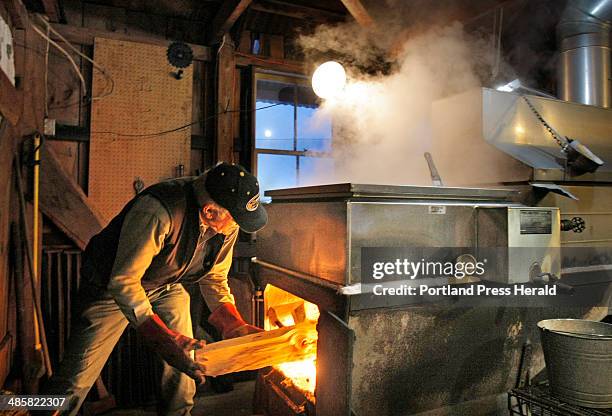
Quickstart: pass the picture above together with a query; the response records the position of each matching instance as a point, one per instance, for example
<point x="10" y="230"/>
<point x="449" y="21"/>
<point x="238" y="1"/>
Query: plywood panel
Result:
<point x="126" y="126"/>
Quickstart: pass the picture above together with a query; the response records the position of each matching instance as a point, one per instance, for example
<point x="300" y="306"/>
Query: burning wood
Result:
<point x="287" y="314"/>
<point x="303" y="374"/>
<point x="285" y="309"/>
<point x="251" y="352"/>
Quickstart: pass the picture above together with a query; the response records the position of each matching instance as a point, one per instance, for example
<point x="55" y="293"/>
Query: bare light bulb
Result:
<point x="328" y="79"/>
<point x="509" y="87"/>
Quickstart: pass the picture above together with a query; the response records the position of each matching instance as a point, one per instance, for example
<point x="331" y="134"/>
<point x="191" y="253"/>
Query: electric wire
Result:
<point x="164" y="132"/>
<point x="62" y="50"/>
<point x="216" y="79"/>
<point x="57" y="78"/>
<point x="87" y="58"/>
<point x="112" y="84"/>
<point x="108" y="78"/>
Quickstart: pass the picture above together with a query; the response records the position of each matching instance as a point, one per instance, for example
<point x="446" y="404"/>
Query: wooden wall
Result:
<point x="85" y="21"/>
<point x="26" y="103"/>
<point x="146" y="99"/>
<point x="23" y="110"/>
<point x="221" y="134"/>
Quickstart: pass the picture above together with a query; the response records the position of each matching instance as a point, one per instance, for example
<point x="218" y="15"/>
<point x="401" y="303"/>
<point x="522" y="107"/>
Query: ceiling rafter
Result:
<point x="52" y="10"/>
<point x="225" y="18"/>
<point x="296" y="11"/>
<point x="359" y="13"/>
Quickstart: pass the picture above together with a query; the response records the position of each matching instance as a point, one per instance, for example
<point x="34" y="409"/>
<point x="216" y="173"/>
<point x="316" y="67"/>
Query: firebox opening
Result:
<point x="284" y="309"/>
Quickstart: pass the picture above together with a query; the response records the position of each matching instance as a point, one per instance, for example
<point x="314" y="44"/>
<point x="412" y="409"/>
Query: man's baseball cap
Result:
<point x="236" y="190"/>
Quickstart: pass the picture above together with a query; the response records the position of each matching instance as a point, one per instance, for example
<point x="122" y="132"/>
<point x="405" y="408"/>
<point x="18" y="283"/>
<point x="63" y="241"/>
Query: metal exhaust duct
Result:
<point x="584" y="62"/>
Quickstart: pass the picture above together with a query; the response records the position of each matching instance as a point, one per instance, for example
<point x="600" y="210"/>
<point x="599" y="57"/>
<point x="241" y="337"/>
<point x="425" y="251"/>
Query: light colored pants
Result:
<point x="94" y="336"/>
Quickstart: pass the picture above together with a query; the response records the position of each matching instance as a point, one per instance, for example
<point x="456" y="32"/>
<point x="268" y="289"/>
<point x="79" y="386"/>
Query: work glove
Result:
<point x="229" y="323"/>
<point x="173" y="347"/>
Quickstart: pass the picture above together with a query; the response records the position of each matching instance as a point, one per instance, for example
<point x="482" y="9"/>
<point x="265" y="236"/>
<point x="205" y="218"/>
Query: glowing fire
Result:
<point x="286" y="309"/>
<point x="303" y="374"/>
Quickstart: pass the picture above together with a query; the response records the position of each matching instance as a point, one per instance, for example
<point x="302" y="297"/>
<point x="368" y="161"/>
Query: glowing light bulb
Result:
<point x="509" y="87"/>
<point x="328" y="79"/>
<point x="267" y="133"/>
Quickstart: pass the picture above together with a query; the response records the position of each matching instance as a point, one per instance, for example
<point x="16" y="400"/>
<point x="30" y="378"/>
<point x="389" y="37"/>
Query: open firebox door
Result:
<point x="300" y="343"/>
<point x="292" y="388"/>
<point x="255" y="351"/>
<point x="284" y="309"/>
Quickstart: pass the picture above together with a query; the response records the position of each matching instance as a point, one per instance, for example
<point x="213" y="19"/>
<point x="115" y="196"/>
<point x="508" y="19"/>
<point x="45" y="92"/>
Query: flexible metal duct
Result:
<point x="584" y="62"/>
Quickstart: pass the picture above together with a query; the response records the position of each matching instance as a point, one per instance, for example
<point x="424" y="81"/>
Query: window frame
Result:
<point x="290" y="78"/>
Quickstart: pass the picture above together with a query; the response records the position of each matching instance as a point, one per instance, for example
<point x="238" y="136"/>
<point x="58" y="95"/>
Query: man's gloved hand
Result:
<point x="173" y="347"/>
<point x="228" y="321"/>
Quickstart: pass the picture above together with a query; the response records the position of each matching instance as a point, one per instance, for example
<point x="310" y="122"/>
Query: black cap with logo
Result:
<point x="236" y="190"/>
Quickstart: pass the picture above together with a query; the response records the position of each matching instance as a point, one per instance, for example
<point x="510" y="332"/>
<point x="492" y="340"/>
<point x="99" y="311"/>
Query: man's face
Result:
<point x="218" y="218"/>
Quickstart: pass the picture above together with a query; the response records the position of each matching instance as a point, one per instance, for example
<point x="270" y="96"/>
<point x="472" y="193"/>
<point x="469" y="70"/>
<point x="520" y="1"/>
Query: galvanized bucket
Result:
<point x="578" y="355"/>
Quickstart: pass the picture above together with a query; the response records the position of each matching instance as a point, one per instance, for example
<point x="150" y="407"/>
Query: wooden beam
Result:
<point x="225" y="18"/>
<point x="358" y="12"/>
<point x="276" y="45"/>
<point x="32" y="84"/>
<point x="7" y="214"/>
<point x="18" y="13"/>
<point x="86" y="36"/>
<point x="6" y="350"/>
<point x="52" y="10"/>
<point x="256" y="351"/>
<point x="245" y="59"/>
<point x="64" y="203"/>
<point x="226" y="102"/>
<point x="296" y="11"/>
<point x="10" y="100"/>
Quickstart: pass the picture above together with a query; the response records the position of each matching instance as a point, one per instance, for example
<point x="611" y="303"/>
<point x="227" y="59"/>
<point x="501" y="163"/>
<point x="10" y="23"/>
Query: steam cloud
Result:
<point x="383" y="122"/>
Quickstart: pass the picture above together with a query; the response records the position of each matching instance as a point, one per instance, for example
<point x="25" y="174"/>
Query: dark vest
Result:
<point x="169" y="265"/>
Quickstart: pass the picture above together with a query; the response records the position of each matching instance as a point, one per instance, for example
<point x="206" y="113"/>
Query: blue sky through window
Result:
<point x="274" y="127"/>
<point x="287" y="128"/>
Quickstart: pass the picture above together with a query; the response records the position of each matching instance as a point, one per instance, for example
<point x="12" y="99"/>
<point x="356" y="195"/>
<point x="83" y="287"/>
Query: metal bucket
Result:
<point x="578" y="356"/>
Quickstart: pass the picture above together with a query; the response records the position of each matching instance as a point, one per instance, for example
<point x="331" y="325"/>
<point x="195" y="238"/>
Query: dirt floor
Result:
<point x="235" y="403"/>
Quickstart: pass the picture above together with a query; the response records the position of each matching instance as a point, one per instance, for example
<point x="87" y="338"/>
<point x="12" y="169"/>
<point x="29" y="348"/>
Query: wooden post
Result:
<point x="52" y="10"/>
<point x="10" y="100"/>
<point x="33" y="81"/>
<point x="226" y="105"/>
<point x="65" y="204"/>
<point x="225" y="18"/>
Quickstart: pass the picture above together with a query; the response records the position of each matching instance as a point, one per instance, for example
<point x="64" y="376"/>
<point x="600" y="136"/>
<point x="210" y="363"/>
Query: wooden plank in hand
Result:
<point x="259" y="350"/>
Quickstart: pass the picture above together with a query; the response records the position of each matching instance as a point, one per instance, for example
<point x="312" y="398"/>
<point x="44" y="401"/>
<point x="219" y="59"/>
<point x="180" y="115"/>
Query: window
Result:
<point x="292" y="138"/>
